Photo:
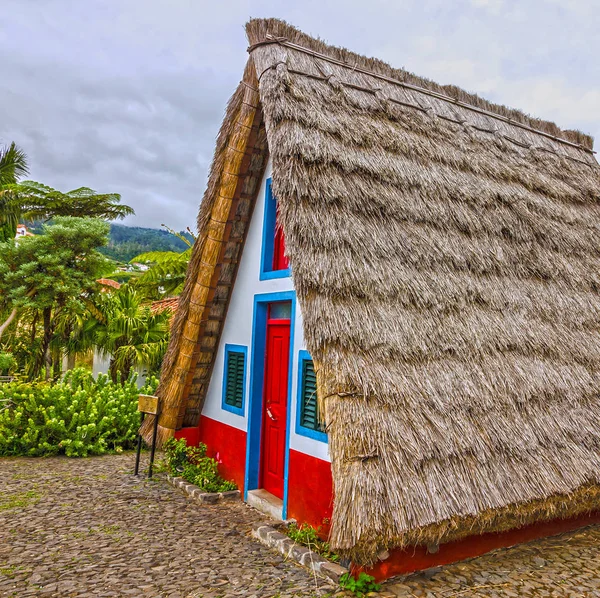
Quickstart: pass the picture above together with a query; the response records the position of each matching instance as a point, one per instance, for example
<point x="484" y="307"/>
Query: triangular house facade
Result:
<point x="424" y="262"/>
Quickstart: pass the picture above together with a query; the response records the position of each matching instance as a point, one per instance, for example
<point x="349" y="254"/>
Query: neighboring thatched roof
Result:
<point x="445" y="255"/>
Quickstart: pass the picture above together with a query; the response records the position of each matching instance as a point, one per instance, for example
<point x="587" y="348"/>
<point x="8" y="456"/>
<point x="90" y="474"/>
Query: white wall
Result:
<point x="238" y="330"/>
<point x="101" y="364"/>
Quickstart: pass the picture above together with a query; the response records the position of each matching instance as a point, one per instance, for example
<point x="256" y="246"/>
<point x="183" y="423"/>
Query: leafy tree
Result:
<point x="7" y="363"/>
<point x="47" y="273"/>
<point x="33" y="200"/>
<point x="42" y="202"/>
<point x="126" y="329"/>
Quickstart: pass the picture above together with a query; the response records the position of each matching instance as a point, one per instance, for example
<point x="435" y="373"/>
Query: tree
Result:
<point x="33" y="200"/>
<point x="47" y="273"/>
<point x="13" y="165"/>
<point x="39" y="201"/>
<point x="128" y="331"/>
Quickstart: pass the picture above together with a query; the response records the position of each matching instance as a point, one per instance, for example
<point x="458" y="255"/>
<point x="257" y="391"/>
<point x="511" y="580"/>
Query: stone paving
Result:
<point x="561" y="566"/>
<point x="88" y="528"/>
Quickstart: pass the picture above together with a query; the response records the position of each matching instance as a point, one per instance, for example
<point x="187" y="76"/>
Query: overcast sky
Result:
<point x="128" y="95"/>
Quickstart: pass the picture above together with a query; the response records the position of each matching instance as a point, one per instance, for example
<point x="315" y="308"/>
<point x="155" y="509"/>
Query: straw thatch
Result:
<point x="444" y="253"/>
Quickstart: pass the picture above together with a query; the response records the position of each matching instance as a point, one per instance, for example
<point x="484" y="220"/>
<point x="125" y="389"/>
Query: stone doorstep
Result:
<point x="300" y="554"/>
<point x="209" y="498"/>
<point x="266" y="503"/>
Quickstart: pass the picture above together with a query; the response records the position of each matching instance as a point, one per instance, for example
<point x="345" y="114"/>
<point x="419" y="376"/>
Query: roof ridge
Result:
<point x="275" y="31"/>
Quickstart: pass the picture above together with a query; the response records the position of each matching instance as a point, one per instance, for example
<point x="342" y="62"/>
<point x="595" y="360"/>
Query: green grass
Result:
<point x="308" y="536"/>
<point x="10" y="570"/>
<point x="20" y="500"/>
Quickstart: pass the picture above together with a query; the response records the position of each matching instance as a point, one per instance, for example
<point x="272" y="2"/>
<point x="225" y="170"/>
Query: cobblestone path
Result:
<point x="87" y="527"/>
<point x="561" y="566"/>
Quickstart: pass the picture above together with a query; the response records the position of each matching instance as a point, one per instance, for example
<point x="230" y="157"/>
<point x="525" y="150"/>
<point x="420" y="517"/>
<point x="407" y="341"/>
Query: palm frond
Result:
<point x="161" y="257"/>
<point x="125" y="329"/>
<point x="13" y="164"/>
<point x="180" y="236"/>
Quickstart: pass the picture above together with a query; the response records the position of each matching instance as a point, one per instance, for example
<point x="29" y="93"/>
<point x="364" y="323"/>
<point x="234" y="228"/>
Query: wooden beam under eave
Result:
<point x="253" y="167"/>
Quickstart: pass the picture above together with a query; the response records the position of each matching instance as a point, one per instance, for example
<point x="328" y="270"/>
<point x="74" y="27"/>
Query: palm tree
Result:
<point x="128" y="331"/>
<point x="13" y="165"/>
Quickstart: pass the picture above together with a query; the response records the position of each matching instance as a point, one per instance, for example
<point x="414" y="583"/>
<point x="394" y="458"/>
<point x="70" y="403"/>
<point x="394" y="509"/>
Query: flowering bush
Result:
<point x="78" y="416"/>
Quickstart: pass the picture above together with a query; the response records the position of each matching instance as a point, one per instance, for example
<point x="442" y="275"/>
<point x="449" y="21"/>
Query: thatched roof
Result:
<point x="446" y="260"/>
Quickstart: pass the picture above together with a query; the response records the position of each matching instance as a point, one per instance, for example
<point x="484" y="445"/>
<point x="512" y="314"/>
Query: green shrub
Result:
<point x="360" y="586"/>
<point x="77" y="416"/>
<point x="308" y="536"/>
<point x="7" y="363"/>
<point x="192" y="464"/>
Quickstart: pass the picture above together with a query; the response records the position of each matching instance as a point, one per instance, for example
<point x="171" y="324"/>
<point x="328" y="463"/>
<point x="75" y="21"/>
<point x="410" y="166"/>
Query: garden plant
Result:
<point x="192" y="464"/>
<point x="77" y="417"/>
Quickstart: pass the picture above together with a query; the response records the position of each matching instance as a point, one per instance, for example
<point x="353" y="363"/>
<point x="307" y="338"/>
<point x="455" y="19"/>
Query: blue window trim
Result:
<point x="255" y="398"/>
<point x="268" y="236"/>
<point x="234" y="349"/>
<point x="300" y="429"/>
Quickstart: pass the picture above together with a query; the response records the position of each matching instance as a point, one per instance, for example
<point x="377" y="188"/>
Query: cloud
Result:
<point x="128" y="95"/>
<point x="494" y="6"/>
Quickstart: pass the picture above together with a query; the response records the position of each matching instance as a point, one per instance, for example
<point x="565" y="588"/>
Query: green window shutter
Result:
<point x="310" y="405"/>
<point x="234" y="382"/>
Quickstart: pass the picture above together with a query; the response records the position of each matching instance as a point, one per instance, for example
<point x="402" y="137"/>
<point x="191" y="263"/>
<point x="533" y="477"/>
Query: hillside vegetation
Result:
<point x="125" y="242"/>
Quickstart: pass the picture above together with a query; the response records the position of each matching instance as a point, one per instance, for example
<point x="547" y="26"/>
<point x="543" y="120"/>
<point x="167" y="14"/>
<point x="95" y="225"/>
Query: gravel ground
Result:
<point x="87" y="527"/>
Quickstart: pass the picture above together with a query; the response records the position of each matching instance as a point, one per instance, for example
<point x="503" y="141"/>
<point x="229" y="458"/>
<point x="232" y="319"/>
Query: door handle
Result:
<point x="271" y="415"/>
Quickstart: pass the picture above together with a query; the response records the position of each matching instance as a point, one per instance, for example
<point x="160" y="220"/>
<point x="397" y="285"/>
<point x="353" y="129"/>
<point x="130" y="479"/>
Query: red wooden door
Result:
<point x="275" y="406"/>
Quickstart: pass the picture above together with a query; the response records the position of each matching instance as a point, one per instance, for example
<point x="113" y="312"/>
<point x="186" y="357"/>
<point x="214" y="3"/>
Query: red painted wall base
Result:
<point x="191" y="435"/>
<point x="310" y="500"/>
<point x="310" y="491"/>
<point x="416" y="558"/>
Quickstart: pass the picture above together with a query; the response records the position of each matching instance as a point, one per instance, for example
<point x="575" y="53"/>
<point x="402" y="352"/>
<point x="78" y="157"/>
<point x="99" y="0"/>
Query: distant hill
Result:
<point x="125" y="242"/>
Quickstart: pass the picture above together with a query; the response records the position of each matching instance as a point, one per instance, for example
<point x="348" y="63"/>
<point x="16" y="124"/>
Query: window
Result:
<point x="274" y="263"/>
<point x="308" y="421"/>
<point x="280" y="310"/>
<point x="234" y="378"/>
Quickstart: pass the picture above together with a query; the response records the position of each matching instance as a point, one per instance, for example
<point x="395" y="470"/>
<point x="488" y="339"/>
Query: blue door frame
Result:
<point x="257" y="371"/>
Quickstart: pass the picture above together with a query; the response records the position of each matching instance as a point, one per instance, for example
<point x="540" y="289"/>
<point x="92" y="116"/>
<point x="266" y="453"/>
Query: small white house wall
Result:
<point x="237" y="330"/>
<point x="101" y="365"/>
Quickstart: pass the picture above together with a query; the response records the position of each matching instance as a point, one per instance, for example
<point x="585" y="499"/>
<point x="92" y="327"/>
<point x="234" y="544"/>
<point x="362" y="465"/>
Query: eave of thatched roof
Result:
<point x="444" y="252"/>
<point x="238" y="165"/>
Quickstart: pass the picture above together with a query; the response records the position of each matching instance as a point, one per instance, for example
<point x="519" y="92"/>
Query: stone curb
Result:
<point x="300" y="554"/>
<point x="207" y="498"/>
